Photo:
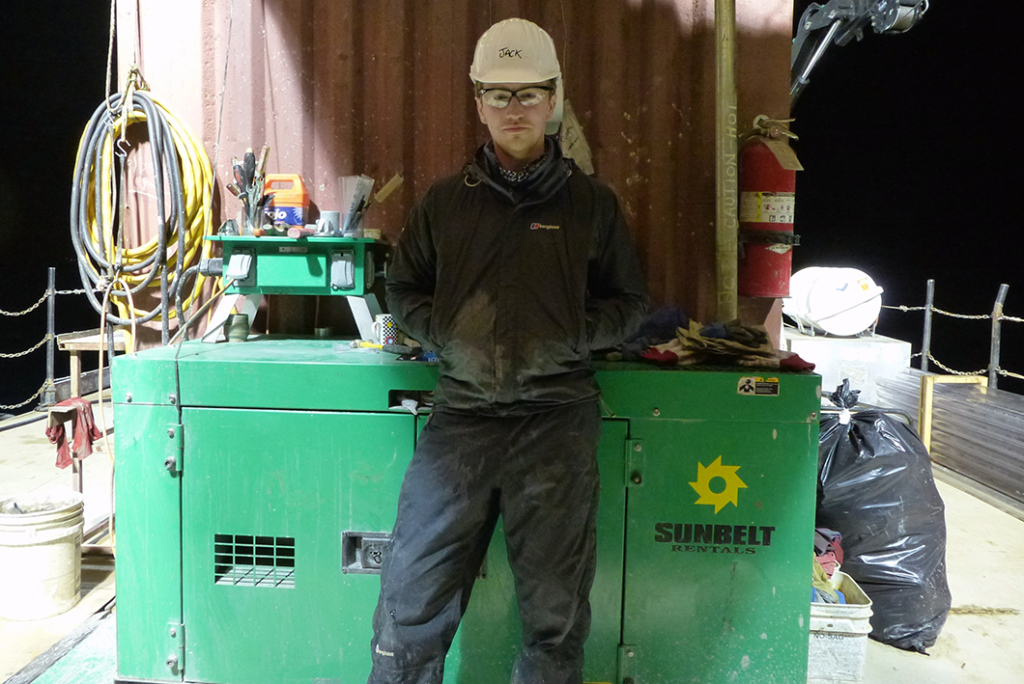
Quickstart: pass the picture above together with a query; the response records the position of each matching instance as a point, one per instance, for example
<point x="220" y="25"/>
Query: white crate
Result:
<point x="861" y="359"/>
<point x="839" y="636"/>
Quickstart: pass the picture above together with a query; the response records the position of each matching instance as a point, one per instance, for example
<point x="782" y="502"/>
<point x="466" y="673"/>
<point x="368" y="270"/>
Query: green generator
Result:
<point x="257" y="485"/>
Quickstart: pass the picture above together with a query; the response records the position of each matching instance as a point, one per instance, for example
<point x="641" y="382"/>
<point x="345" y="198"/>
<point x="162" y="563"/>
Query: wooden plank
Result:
<point x="89" y="340"/>
<point x="924" y="411"/>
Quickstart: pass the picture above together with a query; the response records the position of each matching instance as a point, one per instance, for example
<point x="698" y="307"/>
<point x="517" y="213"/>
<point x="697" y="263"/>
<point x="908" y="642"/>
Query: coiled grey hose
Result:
<point x="182" y="206"/>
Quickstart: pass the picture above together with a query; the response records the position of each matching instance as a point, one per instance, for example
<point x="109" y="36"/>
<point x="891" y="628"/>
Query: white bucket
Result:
<point x="40" y="555"/>
<point x="839" y="636"/>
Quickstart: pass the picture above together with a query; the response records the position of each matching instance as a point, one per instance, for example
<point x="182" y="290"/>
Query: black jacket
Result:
<point x="514" y="288"/>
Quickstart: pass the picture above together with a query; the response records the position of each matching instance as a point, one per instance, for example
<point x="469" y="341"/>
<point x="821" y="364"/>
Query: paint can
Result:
<point x="40" y="555"/>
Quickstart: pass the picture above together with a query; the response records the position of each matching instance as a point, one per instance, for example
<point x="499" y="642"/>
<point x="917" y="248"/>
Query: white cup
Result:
<point x="332" y="222"/>
<point x="384" y="329"/>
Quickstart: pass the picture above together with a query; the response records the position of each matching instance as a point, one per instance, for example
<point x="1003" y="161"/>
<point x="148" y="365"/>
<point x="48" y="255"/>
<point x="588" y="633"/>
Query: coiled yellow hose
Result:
<point x="183" y="183"/>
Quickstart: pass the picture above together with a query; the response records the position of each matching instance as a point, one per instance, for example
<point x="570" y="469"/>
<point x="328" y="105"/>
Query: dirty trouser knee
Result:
<point x="541" y="470"/>
<point x="446" y="515"/>
<point x="548" y="506"/>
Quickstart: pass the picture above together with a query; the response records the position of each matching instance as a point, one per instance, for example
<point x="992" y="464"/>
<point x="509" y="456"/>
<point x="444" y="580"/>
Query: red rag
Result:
<point x="827" y="561"/>
<point x="837" y="550"/>
<point x="83" y="429"/>
<point x="792" y="362"/>
<point x="662" y="357"/>
<point x="55" y="434"/>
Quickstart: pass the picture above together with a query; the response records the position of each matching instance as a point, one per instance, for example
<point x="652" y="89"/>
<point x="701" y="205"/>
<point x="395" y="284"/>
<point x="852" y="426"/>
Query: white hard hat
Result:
<point x="515" y="51"/>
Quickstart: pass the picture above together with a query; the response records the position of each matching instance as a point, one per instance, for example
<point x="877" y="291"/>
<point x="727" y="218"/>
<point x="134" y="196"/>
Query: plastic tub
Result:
<point x="40" y="555"/>
<point x="839" y="636"/>
<point x="291" y="199"/>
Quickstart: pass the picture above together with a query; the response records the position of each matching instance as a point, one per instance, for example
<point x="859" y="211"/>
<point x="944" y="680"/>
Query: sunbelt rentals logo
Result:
<point x="717" y="485"/>
<point x="733" y="485"/>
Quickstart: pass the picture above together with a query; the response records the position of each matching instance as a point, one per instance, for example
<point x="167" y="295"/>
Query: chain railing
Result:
<point x="48" y="389"/>
<point x="45" y="386"/>
<point x="37" y="345"/>
<point x="997" y="317"/>
<point x="26" y="311"/>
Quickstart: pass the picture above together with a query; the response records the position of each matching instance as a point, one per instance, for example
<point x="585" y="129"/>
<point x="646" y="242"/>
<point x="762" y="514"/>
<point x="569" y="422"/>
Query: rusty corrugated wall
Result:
<point x="341" y="87"/>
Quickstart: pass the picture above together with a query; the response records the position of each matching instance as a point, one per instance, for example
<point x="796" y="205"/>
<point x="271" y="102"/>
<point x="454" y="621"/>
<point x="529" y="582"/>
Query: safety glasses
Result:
<point x="528" y="97"/>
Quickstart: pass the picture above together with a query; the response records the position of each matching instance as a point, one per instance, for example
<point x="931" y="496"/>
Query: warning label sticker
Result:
<point x="755" y="386"/>
<point x="767" y="207"/>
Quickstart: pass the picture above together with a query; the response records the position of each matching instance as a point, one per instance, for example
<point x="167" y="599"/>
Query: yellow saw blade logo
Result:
<point x="733" y="484"/>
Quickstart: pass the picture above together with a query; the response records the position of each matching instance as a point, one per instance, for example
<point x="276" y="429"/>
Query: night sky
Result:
<point x="906" y="140"/>
<point x="54" y="58"/>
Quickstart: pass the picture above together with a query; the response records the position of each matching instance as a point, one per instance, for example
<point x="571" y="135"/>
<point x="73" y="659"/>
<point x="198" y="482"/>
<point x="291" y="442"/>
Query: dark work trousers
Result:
<point x="540" y="473"/>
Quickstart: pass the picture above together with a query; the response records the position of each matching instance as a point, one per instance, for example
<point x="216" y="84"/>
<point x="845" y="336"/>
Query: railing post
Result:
<point x="993" y="356"/>
<point x="926" y="343"/>
<point x="50" y="392"/>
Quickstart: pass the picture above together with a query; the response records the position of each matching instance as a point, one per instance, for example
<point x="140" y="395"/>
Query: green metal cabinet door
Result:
<point x="148" y="543"/>
<point x="718" y="552"/>
<point x="266" y="498"/>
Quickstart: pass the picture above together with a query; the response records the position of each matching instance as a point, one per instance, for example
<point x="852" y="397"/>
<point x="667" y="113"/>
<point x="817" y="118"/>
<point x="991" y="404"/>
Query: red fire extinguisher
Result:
<point x="767" y="167"/>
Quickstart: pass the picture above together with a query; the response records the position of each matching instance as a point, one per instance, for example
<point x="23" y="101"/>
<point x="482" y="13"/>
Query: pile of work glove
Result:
<point x="723" y="344"/>
<point x="828" y="556"/>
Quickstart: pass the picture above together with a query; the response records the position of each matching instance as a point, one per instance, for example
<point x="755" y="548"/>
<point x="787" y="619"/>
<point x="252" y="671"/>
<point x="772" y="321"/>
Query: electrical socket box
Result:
<point x="312" y="265"/>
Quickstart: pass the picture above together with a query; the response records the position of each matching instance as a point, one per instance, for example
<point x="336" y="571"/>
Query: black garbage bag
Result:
<point x="875" y="487"/>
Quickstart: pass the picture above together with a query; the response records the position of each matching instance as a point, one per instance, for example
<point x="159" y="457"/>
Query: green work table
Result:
<point x="257" y="484"/>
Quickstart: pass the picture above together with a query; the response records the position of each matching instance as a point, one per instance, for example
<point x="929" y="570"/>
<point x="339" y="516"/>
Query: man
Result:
<point x="512" y="272"/>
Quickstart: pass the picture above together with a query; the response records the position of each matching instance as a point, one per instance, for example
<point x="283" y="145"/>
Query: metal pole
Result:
<point x="801" y="81"/>
<point x="926" y="343"/>
<point x="726" y="167"/>
<point x="50" y="393"/>
<point x="997" y="317"/>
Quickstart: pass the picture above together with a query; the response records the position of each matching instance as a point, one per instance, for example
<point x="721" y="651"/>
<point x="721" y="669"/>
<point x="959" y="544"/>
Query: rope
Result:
<point x="183" y="328"/>
<point x="1008" y="374"/>
<point x="28" y="310"/>
<point x="1011" y="319"/>
<point x="110" y="56"/>
<point x="41" y="342"/>
<point x="904" y="308"/>
<point x="223" y="89"/>
<point x="46" y="385"/>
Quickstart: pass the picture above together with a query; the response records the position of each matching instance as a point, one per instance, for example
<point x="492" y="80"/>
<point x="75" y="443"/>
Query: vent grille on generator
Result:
<point x="247" y="560"/>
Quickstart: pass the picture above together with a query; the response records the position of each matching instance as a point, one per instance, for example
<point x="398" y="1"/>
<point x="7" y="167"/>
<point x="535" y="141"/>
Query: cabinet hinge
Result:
<point x="635" y="461"/>
<point x="627" y="664"/>
<point x="175" y="661"/>
<point x="174" y="450"/>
